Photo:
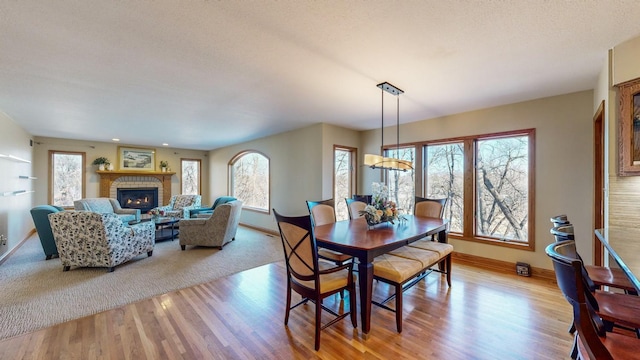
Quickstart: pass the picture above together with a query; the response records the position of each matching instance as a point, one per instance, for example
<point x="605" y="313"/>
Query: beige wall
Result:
<point x="296" y="163"/>
<point x="95" y="149"/>
<point x="564" y="163"/>
<point x="624" y="192"/>
<point x="15" y="219"/>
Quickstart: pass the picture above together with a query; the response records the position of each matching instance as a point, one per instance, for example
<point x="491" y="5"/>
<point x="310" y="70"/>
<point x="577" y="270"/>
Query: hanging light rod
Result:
<point x="378" y="161"/>
<point x="393" y="90"/>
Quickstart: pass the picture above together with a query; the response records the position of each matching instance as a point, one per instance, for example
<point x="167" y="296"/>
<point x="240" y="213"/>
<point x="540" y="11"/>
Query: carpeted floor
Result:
<point x="36" y="293"/>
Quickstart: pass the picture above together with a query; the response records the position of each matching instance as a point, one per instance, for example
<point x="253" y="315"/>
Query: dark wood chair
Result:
<point x="591" y="341"/>
<point x="304" y="275"/>
<point x="323" y="212"/>
<point x="599" y="275"/>
<point x="354" y="207"/>
<point x="364" y="198"/>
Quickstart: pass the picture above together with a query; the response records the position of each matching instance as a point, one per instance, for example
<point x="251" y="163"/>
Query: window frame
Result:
<point x="469" y="184"/>
<point x="353" y="156"/>
<point x="199" y="162"/>
<point x="51" y="173"/>
<point x="230" y="165"/>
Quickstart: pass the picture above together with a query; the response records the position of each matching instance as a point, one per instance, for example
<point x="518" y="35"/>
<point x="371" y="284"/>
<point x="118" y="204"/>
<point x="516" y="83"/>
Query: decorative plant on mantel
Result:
<point x="102" y="162"/>
<point x="163" y="165"/>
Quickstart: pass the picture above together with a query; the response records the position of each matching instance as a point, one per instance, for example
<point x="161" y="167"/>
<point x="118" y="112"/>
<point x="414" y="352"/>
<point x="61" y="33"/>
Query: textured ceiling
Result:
<point x="206" y="74"/>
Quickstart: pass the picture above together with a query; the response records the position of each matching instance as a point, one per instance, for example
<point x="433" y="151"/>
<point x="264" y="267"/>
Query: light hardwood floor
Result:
<point x="484" y="315"/>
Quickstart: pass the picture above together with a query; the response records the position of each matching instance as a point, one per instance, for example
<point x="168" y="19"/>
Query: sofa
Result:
<point x="215" y="231"/>
<point x="181" y="205"/>
<point x="90" y="239"/>
<point x="40" y="216"/>
<point x="107" y="206"/>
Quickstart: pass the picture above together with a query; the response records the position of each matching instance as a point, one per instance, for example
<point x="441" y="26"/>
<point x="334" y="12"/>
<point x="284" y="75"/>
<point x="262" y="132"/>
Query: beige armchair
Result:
<point x="216" y="230"/>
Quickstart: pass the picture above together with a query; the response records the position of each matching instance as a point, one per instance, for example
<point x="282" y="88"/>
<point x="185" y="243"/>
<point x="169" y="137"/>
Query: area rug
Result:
<point x="36" y="293"/>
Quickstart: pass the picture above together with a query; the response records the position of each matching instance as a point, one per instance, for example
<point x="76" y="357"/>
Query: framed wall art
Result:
<point x="136" y="159"/>
<point x="629" y="128"/>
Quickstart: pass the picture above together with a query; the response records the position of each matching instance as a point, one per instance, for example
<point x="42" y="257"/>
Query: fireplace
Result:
<point x="144" y="199"/>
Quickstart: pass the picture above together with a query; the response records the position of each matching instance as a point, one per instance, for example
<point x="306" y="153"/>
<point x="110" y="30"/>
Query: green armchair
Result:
<point x="40" y="215"/>
<point x="207" y="211"/>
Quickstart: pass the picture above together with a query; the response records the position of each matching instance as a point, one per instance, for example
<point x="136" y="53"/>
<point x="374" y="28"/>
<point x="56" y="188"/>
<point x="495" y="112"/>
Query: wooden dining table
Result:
<point x="623" y="245"/>
<point x="356" y="238"/>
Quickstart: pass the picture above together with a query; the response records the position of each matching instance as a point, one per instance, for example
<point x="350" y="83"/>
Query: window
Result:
<point x="343" y="179"/>
<point x="402" y="183"/>
<point x="502" y="189"/>
<point x="444" y="179"/>
<point x="67" y="177"/>
<point x="250" y="180"/>
<point x="488" y="180"/>
<point x="190" y="176"/>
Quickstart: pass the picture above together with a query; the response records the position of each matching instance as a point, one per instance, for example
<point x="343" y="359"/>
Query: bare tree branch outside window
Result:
<point x="190" y="177"/>
<point x="445" y="179"/>
<point x="250" y="180"/>
<point x="342" y="179"/>
<point x="66" y="181"/>
<point x="402" y="183"/>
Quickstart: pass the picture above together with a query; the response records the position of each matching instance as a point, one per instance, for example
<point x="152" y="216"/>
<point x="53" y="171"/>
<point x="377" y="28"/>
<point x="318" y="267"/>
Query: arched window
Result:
<point x="250" y="173"/>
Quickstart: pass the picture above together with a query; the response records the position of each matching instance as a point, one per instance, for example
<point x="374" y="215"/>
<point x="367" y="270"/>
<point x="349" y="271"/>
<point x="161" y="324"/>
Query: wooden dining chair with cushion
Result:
<point x="354" y="207"/>
<point x="323" y="212"/>
<point x="592" y="341"/>
<point x="307" y="278"/>
<point x="600" y="275"/>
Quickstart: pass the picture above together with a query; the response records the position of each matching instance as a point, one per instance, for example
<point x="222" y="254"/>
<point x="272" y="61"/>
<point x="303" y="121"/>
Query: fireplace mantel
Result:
<point x="108" y="177"/>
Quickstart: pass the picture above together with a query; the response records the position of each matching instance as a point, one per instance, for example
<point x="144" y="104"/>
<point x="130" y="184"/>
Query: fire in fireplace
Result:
<point x="144" y="199"/>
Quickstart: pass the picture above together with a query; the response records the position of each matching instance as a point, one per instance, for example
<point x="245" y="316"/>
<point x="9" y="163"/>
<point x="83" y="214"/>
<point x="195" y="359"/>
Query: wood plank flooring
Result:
<point x="484" y="315"/>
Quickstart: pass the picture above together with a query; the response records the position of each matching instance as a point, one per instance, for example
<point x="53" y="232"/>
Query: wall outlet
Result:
<point x="3" y="240"/>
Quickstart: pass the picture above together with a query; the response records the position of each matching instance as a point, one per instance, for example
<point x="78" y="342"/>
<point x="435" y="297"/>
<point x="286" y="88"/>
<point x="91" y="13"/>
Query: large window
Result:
<point x="190" y="176"/>
<point x="487" y="179"/>
<point x="402" y="183"/>
<point x="67" y="177"/>
<point x="343" y="179"/>
<point x="444" y="179"/>
<point x="250" y="180"/>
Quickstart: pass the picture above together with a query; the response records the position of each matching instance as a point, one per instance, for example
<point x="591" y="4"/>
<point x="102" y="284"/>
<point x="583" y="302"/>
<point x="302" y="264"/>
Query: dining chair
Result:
<point x="323" y="212"/>
<point x="354" y="207"/>
<point x="304" y="275"/>
<point x="592" y="341"/>
<point x="362" y="197"/>
<point x="600" y="275"/>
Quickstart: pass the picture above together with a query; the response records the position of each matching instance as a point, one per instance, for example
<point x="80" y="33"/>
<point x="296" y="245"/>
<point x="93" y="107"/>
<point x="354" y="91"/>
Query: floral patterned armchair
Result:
<point x="90" y="239"/>
<point x="181" y="205"/>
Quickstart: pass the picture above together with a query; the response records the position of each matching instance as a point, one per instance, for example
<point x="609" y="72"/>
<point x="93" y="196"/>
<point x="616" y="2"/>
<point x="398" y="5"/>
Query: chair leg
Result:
<point x="149" y="253"/>
<point x="183" y="247"/>
<point x="448" y="262"/>
<point x="318" y="322"/>
<point x="352" y="306"/>
<point x="286" y="314"/>
<point x="111" y="269"/>
<point x="399" y="307"/>
<point x="66" y="268"/>
<point x="574" y="349"/>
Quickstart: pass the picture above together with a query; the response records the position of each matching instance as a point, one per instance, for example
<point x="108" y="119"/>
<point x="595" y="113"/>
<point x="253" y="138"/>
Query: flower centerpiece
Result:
<point x="156" y="213"/>
<point x="381" y="208"/>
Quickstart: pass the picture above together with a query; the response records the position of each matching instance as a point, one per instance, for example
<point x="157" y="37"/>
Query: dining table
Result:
<point x="623" y="245"/>
<point x="358" y="239"/>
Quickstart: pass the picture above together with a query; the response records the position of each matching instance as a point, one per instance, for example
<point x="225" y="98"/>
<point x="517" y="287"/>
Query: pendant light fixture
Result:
<point x="379" y="161"/>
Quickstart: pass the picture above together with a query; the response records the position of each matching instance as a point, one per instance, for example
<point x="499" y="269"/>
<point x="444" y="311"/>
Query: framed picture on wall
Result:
<point x="629" y="128"/>
<point x="136" y="159"/>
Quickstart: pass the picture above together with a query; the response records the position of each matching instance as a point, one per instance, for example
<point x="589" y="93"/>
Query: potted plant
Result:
<point x="101" y="162"/>
<point x="164" y="165"/>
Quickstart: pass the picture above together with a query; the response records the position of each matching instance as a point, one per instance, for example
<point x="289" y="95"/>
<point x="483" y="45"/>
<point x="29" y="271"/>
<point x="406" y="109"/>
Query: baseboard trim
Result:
<point x="500" y="266"/>
<point x="264" y="230"/>
<point x="6" y="255"/>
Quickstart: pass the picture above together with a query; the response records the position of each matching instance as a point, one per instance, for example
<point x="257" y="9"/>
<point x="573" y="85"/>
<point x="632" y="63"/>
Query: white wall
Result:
<point x="564" y="163"/>
<point x="15" y="219"/>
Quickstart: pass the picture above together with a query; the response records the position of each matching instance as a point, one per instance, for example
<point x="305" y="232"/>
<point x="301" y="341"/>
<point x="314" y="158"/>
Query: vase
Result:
<point x="101" y="167"/>
<point x="110" y="167"/>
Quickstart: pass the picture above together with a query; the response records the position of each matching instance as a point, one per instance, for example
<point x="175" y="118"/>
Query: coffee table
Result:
<point x="165" y="227"/>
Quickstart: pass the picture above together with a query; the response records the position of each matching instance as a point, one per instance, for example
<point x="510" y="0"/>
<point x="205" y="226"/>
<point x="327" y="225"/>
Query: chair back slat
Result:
<point x="299" y="244"/>
<point x="429" y="207"/>
<point x="354" y="207"/>
<point x="322" y="212"/>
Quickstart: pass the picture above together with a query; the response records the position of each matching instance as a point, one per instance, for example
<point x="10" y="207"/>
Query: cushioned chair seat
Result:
<point x="215" y="230"/>
<point x="395" y="268"/>
<point x="441" y="248"/>
<point x="107" y="206"/>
